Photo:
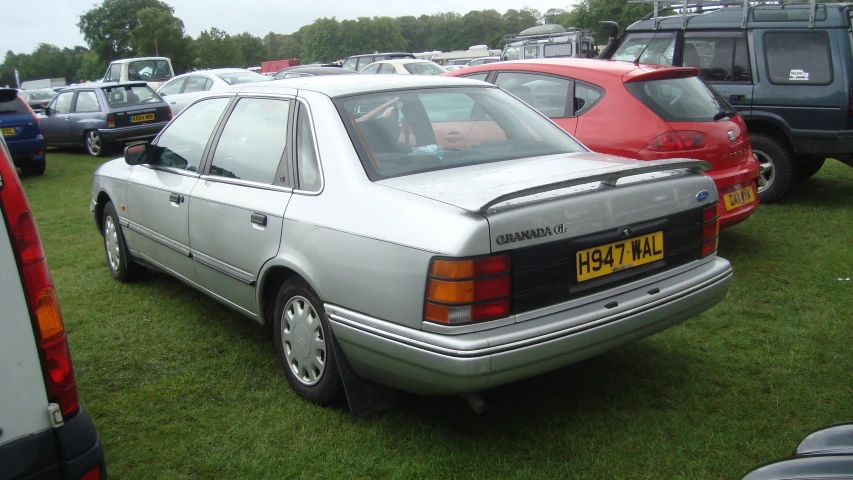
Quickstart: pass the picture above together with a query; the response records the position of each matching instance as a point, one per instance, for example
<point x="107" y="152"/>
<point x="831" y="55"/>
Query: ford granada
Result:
<point x="328" y="208"/>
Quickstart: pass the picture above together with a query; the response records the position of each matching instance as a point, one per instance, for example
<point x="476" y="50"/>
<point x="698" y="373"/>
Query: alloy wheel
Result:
<point x="766" y="172"/>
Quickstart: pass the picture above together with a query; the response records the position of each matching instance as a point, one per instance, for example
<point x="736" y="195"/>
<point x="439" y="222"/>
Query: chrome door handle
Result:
<point x="453" y="137"/>
<point x="175" y="198"/>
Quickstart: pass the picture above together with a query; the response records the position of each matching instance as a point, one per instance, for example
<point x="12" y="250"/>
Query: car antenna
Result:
<point x="637" y="60"/>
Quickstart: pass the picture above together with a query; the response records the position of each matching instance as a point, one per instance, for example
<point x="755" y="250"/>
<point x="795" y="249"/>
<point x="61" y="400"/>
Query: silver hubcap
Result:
<point x="304" y="340"/>
<point x="766" y="172"/>
<point x="111" y="242"/>
<point x="93" y="142"/>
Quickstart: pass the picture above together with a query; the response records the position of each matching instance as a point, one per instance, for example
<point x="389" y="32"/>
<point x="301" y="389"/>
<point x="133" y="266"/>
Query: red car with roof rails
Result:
<point x="649" y="112"/>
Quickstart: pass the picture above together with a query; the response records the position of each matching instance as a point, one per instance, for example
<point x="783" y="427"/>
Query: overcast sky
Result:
<point x="54" y="21"/>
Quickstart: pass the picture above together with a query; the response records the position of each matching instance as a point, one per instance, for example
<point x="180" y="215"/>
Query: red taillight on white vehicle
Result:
<point x="111" y="120"/>
<point x="710" y="229"/>
<point x="676" y="140"/>
<point x="38" y="287"/>
<point x="468" y="290"/>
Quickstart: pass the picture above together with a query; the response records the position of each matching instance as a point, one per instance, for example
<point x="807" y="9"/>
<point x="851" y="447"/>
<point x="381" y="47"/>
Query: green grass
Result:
<point x="180" y="387"/>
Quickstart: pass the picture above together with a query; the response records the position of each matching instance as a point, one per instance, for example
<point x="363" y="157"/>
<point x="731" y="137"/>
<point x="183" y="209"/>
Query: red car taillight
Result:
<point x="111" y="120"/>
<point x="677" y="140"/>
<point x="468" y="290"/>
<point x="38" y="287"/>
<point x="710" y="229"/>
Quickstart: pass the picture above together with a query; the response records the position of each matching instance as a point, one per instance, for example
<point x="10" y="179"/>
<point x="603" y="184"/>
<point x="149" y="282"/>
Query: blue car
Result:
<point x="20" y="128"/>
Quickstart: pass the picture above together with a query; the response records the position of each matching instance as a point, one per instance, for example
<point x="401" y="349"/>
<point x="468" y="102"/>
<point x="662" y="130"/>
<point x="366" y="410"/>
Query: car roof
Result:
<point x="93" y="85"/>
<point x="213" y="71"/>
<point x="128" y="60"/>
<point x="381" y="53"/>
<point x="316" y="70"/>
<point x="404" y="61"/>
<point x="345" y="85"/>
<point x="732" y="16"/>
<point x="613" y="68"/>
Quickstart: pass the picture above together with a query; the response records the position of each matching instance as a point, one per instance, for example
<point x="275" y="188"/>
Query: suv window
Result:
<point x="173" y="87"/>
<point x="547" y="94"/>
<point x="798" y="58"/>
<point x="63" y="102"/>
<point x="182" y="143"/>
<point x="87" y="102"/>
<point x="350" y="63"/>
<point x="307" y="166"/>
<point x="719" y="56"/>
<point x="651" y="47"/>
<point x="558" y="50"/>
<point x="678" y="99"/>
<point x="531" y="52"/>
<point x="113" y="73"/>
<point x="253" y="140"/>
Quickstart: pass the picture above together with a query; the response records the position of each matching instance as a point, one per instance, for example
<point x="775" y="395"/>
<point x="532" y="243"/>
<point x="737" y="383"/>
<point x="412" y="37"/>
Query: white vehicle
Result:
<point x="482" y="61"/>
<point x="183" y="89"/>
<point x="152" y="70"/>
<point x="404" y="66"/>
<point x="44" y="431"/>
<point x="549" y="41"/>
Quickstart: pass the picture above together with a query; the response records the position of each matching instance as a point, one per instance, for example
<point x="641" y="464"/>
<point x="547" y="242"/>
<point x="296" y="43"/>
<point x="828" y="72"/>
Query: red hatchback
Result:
<point x="649" y="112"/>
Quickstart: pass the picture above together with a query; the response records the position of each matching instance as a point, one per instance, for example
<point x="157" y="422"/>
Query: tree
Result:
<point x="160" y="33"/>
<point x="252" y="49"/>
<point x="321" y="41"/>
<point x="107" y="28"/>
<point x="290" y="47"/>
<point x="587" y="14"/>
<point x="215" y="49"/>
<point x="91" y="67"/>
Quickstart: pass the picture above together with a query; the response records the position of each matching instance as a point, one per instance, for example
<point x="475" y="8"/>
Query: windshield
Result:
<point x="130" y="95"/>
<point x="679" y="99"/>
<point x="412" y="131"/>
<point x="511" y="53"/>
<point x="148" y="70"/>
<point x="424" y="68"/>
<point x="651" y="47"/>
<point x="236" y="78"/>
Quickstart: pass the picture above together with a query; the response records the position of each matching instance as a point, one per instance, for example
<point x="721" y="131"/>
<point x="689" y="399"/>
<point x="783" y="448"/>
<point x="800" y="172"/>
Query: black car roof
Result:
<point x="90" y="86"/>
<point x="828" y="15"/>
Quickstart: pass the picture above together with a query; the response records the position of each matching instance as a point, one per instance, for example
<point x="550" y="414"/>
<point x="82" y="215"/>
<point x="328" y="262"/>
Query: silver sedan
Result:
<point x="434" y="235"/>
<point x="183" y="89"/>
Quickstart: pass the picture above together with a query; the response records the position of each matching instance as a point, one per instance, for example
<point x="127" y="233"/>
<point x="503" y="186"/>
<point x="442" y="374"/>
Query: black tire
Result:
<point x="326" y="387"/>
<point x="94" y="143"/>
<point x="124" y="269"/>
<point x="807" y="166"/>
<point x="773" y="154"/>
<point x="34" y="167"/>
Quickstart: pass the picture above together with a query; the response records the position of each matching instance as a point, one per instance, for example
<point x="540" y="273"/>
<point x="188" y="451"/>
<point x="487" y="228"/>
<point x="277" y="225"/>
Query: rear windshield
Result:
<point x="424" y="68"/>
<point x="236" y="78"/>
<point x="130" y="95"/>
<point x="13" y="107"/>
<point x="412" y="131"/>
<point x="679" y="99"/>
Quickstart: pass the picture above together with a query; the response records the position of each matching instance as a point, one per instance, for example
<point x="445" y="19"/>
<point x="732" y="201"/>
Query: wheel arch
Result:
<point x="770" y="125"/>
<point x="273" y="275"/>
<point x="100" y="202"/>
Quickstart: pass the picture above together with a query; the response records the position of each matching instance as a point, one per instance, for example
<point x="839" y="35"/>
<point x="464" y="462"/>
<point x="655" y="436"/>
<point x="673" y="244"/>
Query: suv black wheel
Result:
<point x="122" y="267"/>
<point x="304" y="343"/>
<point x="807" y="166"/>
<point x="777" y="167"/>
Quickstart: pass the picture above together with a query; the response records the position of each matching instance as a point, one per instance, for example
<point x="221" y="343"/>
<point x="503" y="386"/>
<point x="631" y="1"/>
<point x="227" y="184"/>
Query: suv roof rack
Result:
<point x="538" y="33"/>
<point x="698" y="5"/>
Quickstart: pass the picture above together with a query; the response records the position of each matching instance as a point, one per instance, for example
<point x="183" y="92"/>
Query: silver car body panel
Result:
<point x="365" y="247"/>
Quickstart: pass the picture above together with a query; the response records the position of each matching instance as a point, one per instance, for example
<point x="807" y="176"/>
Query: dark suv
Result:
<point x="788" y="76"/>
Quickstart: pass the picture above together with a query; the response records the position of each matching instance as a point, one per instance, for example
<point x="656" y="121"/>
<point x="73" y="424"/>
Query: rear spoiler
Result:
<point x="607" y="179"/>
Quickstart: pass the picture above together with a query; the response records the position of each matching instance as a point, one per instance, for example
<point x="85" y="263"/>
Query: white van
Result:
<point x="155" y="71"/>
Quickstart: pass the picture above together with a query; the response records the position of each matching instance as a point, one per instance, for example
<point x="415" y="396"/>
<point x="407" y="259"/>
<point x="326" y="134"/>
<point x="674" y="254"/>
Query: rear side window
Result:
<point x="585" y="97"/>
<point x="173" y="87"/>
<point x="719" y="56"/>
<point x="307" y="166"/>
<point x="13" y="107"/>
<point x="798" y="58"/>
<point x="372" y="68"/>
<point x="87" y="101"/>
<point x="130" y="95"/>
<point x="678" y="99"/>
<point x="547" y="94"/>
<point x="387" y="69"/>
<point x="477" y="76"/>
<point x="196" y="84"/>
<point x="531" y="52"/>
<point x="651" y="47"/>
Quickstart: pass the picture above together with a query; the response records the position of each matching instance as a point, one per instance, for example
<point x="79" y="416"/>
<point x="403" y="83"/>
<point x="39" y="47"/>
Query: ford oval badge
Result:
<point x="702" y="195"/>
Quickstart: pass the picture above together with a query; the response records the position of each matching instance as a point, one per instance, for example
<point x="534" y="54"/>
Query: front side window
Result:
<point x="253" y="141"/>
<point x="350" y="63"/>
<point x="395" y="132"/>
<point x="363" y="62"/>
<point x="307" y="165"/>
<point x="113" y="73"/>
<point x="62" y="104"/>
<point x="372" y="68"/>
<point x="423" y="68"/>
<point x="511" y="53"/>
<point x="719" y="56"/>
<point x="130" y="95"/>
<point x="387" y="69"/>
<point x="182" y="143"/>
<point x="547" y="94"/>
<point x="149" y="70"/>
<point x="173" y="87"/>
<point x="798" y="58"/>
<point x="678" y="99"/>
<point x="477" y="76"/>
<point x="531" y="51"/>
<point x="650" y="47"/>
<point x="87" y="101"/>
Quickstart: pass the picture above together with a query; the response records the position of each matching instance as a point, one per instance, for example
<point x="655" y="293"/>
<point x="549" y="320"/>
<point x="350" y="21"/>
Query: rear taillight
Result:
<point x="710" y="229"/>
<point x="468" y="290"/>
<point x="169" y="111"/>
<point x="111" y="120"/>
<point x="677" y="140"/>
<point x="38" y="287"/>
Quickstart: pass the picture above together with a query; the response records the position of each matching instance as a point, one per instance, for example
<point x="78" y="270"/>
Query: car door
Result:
<point x="158" y="193"/>
<point x="170" y="90"/>
<point x="87" y="114"/>
<point x="723" y="62"/>
<point x="236" y="210"/>
<point x="549" y="94"/>
<point x="56" y="126"/>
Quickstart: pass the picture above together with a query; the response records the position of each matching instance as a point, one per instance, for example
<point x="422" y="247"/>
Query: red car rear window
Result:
<point x="679" y="99"/>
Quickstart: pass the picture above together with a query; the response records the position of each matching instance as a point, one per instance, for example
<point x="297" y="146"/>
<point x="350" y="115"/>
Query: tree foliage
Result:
<point x="161" y="34"/>
<point x="216" y="49"/>
<point x="107" y="28"/>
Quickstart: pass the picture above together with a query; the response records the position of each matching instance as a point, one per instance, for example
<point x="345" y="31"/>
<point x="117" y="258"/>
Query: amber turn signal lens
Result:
<point x="47" y="314"/>
<point x="479" y="267"/>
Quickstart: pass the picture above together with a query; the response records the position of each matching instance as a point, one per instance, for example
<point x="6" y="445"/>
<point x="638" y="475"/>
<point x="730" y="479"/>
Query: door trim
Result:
<point x="161" y="239"/>
<point x="224" y="268"/>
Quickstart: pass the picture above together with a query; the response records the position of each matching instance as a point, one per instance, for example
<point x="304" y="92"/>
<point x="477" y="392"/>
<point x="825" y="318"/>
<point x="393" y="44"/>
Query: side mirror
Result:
<point x="47" y="111"/>
<point x="136" y="154"/>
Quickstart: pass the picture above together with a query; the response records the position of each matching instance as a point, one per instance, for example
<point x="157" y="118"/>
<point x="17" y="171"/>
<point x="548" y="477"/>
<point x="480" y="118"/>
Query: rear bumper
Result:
<point x="730" y="179"/>
<point x="25" y="150"/>
<point x="129" y="134"/>
<point x="65" y="452"/>
<point x="432" y="363"/>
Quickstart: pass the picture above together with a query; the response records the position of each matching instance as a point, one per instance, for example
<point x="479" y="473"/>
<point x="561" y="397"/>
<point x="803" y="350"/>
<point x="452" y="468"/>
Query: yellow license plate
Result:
<point x="8" y="132"/>
<point x="739" y="198"/>
<point x="617" y="256"/>
<point x="142" y="118"/>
